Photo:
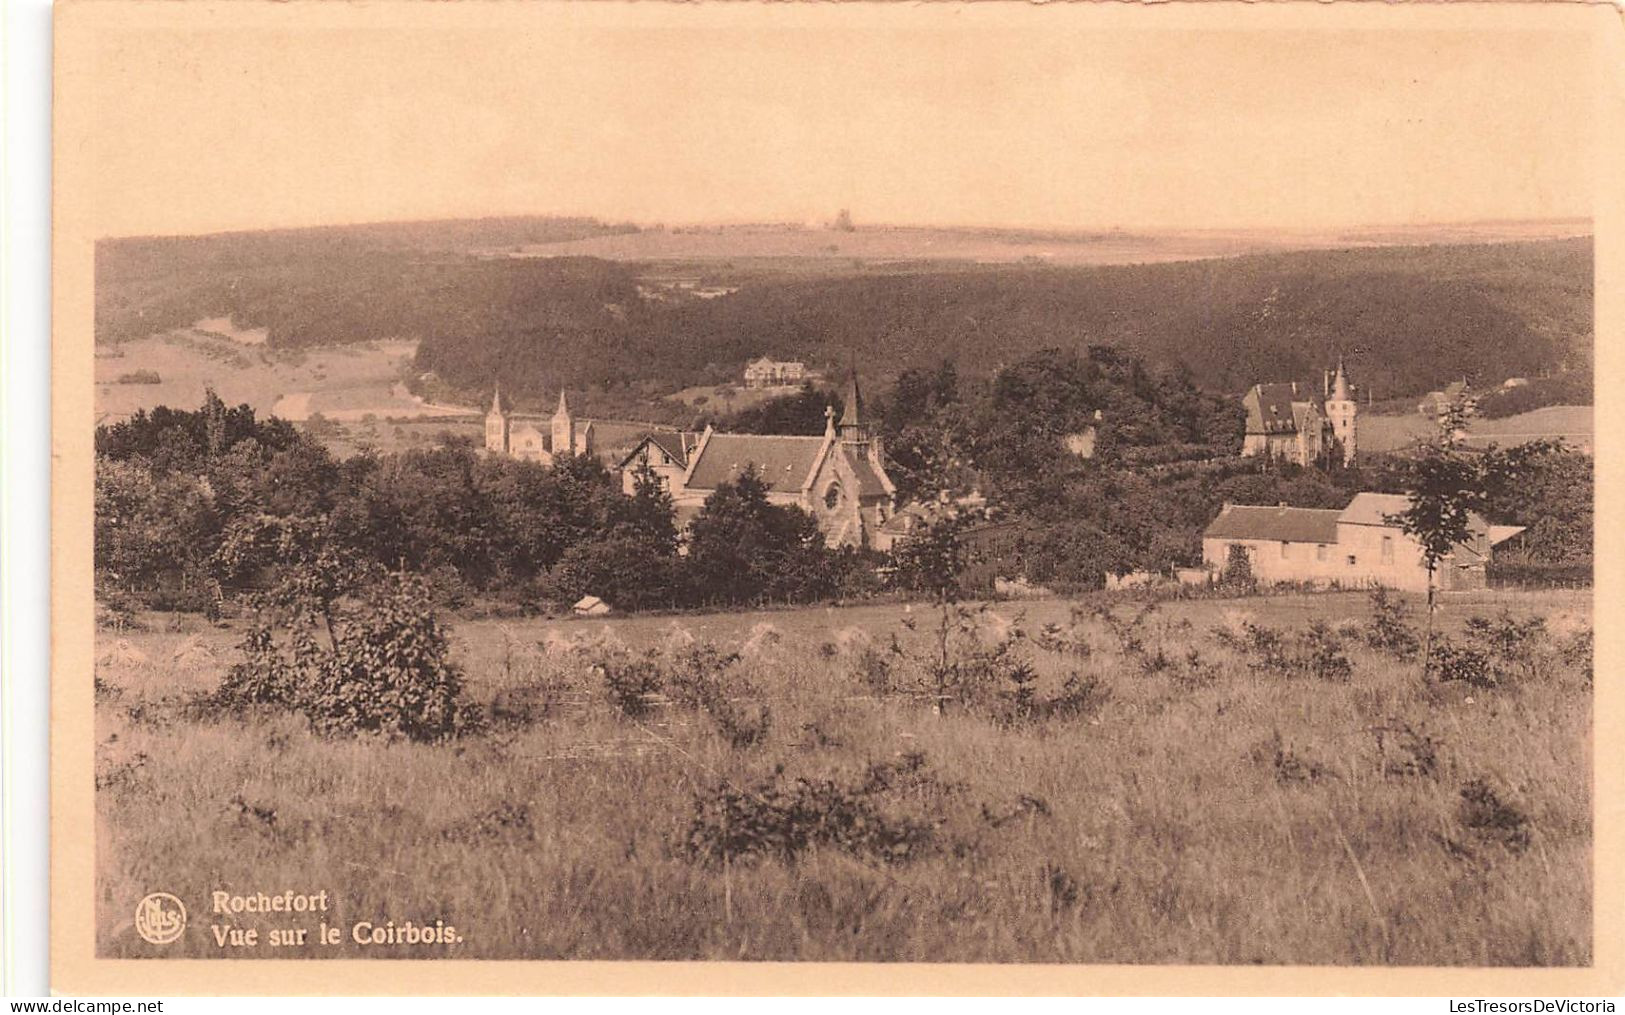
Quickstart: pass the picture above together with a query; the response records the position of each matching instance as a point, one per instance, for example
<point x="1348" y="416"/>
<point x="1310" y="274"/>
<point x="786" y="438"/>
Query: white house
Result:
<point x="1355" y="546"/>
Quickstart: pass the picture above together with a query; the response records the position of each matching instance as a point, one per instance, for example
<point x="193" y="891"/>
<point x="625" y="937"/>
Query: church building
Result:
<point x="504" y="435"/>
<point x="1289" y="422"/>
<point x="839" y="477"/>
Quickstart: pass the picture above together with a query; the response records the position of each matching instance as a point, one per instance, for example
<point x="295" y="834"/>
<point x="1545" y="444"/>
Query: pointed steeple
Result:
<point x="564" y="428"/>
<point x="1340" y="383"/>
<point x="852" y="413"/>
<point x="496" y="400"/>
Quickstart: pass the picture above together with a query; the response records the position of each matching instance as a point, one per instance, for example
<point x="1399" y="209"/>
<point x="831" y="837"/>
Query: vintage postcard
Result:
<point x="573" y="497"/>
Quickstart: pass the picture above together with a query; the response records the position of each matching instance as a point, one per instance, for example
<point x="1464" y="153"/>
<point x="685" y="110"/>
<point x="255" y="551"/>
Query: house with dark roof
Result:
<point x="838" y="477"/>
<point x="1353" y="547"/>
<point x="1290" y="422"/>
<point x="665" y="452"/>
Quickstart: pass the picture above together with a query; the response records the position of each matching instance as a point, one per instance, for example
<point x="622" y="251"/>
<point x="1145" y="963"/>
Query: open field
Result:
<point x="343" y="383"/>
<point x="1572" y="424"/>
<point x="1199" y="809"/>
<point x="802" y="248"/>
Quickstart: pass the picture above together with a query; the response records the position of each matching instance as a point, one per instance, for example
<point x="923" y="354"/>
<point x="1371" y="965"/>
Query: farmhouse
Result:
<point x="1354" y="546"/>
<point x="1289" y="422"/>
<point x="768" y="373"/>
<point x="839" y="478"/>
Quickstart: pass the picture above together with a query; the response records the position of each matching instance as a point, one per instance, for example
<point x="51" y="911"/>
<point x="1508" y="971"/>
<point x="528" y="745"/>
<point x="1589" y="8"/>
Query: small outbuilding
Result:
<point x="590" y="606"/>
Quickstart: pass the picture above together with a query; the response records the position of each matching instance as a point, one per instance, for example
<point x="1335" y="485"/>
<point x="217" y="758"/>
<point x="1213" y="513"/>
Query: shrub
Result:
<point x="1316" y="652"/>
<point x="1389" y="630"/>
<point x="1515" y="646"/>
<point x="385" y="668"/>
<point x="695" y="678"/>
<point x="631" y="682"/>
<point x="780" y="819"/>
<point x="1321" y="653"/>
<point x="1453" y="662"/>
<point x="1414" y="752"/>
<point x="1577" y="651"/>
<point x="1484" y="812"/>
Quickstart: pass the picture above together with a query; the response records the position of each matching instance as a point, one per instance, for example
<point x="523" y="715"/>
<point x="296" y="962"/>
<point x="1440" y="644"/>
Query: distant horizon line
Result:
<point x="1588" y="221"/>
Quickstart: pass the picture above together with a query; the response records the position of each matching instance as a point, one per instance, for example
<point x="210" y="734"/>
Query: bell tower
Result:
<point x="564" y="429"/>
<point x="497" y="425"/>
<point x="852" y="428"/>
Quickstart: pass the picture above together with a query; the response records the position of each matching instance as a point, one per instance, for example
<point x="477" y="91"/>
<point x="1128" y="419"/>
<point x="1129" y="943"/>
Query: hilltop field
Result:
<point x="1212" y="781"/>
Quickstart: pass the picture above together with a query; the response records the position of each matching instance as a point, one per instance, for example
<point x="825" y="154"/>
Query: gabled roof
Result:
<point x="1375" y="509"/>
<point x="1272" y="408"/>
<point x="1275" y="524"/>
<point x="870" y="481"/>
<point x="784" y="463"/>
<point x="676" y="444"/>
<point x="1501" y="533"/>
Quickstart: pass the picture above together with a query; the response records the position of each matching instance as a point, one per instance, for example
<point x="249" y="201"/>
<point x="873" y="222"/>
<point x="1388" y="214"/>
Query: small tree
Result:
<point x="385" y="669"/>
<point x="931" y="561"/>
<point x="1238" y="567"/>
<point x="1448" y="484"/>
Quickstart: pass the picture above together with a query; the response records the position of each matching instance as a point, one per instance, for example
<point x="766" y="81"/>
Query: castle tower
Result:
<point x="497" y="425"/>
<point x="564" y="429"/>
<point x="1341" y="412"/>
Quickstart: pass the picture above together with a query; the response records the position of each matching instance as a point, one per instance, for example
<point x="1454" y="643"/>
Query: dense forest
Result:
<point x="1406" y="319"/>
<point x="191" y="500"/>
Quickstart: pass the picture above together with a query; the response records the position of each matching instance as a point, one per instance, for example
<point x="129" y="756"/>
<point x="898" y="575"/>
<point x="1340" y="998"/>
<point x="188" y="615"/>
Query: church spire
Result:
<point x="564" y="407"/>
<point x="496" y="399"/>
<point x="852" y="412"/>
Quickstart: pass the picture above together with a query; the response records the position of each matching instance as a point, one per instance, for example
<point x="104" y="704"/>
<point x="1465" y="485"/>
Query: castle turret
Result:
<point x="498" y="426"/>
<point x="564" y="428"/>
<point x="1342" y="412"/>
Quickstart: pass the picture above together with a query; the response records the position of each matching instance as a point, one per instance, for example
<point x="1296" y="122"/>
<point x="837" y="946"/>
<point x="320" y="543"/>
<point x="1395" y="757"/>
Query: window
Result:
<point x="1387" y="549"/>
<point x="832" y="496"/>
<point x="1320" y="551"/>
<point x="1284" y="546"/>
<point x="1351" y="560"/>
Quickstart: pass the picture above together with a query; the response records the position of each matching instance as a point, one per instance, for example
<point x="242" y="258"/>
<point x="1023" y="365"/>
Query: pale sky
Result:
<point x="208" y="117"/>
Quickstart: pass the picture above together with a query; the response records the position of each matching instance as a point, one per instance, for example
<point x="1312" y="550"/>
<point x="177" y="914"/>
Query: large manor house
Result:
<point x="1290" y="422"/>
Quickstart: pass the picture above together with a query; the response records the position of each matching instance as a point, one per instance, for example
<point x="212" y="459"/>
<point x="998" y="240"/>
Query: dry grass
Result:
<point x="1214" y="815"/>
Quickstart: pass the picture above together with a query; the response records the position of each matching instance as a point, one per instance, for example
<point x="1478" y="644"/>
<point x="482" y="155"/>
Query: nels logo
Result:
<point x="160" y="918"/>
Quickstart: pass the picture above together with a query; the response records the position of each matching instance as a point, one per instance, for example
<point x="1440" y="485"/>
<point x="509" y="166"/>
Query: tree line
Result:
<point x="188" y="501"/>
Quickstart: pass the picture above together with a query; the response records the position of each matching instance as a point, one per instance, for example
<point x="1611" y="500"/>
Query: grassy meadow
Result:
<point x="1185" y="802"/>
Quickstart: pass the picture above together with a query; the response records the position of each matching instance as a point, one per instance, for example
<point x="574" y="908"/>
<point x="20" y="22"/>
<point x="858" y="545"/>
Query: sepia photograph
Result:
<point x="1011" y="484"/>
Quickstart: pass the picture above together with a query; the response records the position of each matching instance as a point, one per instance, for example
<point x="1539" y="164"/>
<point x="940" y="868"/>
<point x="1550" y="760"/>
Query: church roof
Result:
<point x="784" y="463"/>
<point x="870" y="483"/>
